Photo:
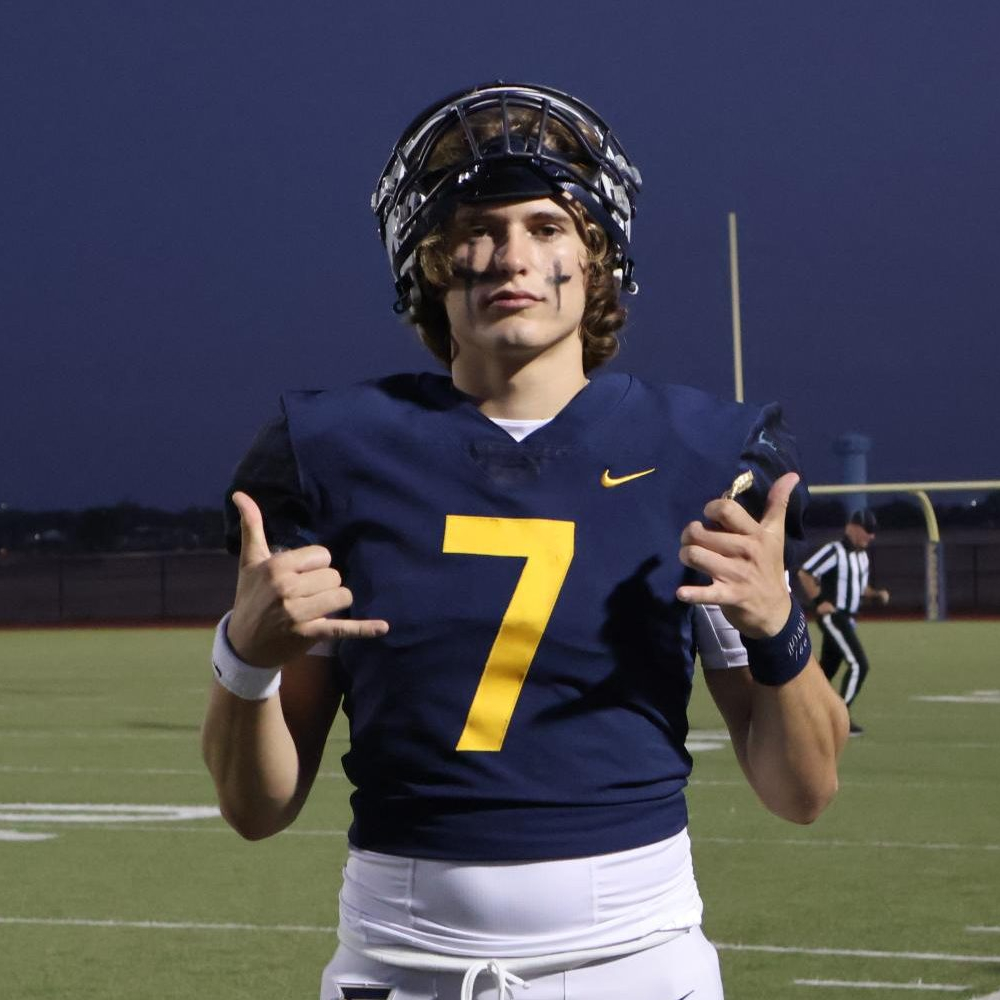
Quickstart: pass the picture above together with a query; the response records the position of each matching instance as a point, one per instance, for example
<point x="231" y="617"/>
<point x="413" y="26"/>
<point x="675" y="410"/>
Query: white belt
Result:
<point x="535" y="965"/>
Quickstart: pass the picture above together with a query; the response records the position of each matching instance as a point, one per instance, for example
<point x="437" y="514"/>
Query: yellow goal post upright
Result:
<point x="935" y="598"/>
<point x="734" y="298"/>
<point x="934" y="579"/>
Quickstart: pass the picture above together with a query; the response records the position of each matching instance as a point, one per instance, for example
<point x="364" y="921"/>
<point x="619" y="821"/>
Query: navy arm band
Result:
<point x="776" y="660"/>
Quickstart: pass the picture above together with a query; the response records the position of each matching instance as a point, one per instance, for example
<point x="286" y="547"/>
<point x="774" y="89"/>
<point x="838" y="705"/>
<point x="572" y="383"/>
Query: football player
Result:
<point x="503" y="575"/>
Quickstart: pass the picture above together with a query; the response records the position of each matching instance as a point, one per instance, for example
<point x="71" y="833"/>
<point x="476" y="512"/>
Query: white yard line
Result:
<point x="163" y="925"/>
<point x="41" y="808"/>
<point x="189" y="734"/>
<point x="987" y="697"/>
<point x="887" y="844"/>
<point x="182" y="925"/>
<point x="171" y="828"/>
<point x="128" y="817"/>
<point x="917" y="956"/>
<point x="143" y="771"/>
<point x="185" y="925"/>
<point x="871" y="985"/>
<point x="851" y="783"/>
<point x="90" y="812"/>
<point x="98" y="735"/>
<point x="197" y="772"/>
<point x="193" y="772"/>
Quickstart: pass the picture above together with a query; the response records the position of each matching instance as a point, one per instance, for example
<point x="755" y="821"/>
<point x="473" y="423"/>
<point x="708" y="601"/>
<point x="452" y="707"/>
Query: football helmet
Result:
<point x="412" y="197"/>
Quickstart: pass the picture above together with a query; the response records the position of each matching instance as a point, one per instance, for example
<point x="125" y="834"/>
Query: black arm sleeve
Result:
<point x="268" y="473"/>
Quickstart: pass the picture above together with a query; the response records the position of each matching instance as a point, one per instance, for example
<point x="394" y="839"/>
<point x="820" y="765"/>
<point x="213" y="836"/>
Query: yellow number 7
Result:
<point x="547" y="547"/>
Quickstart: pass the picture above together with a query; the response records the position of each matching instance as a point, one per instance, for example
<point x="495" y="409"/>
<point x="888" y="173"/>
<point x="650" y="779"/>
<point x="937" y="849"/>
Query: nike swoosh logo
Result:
<point x="608" y="480"/>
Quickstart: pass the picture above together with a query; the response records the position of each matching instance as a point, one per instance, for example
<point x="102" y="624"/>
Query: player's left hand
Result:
<point x="745" y="560"/>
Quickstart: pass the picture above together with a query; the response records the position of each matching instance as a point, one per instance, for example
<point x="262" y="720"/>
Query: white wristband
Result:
<point x="245" y="681"/>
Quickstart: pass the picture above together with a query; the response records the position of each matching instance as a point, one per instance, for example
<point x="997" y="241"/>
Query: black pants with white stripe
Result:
<point x="840" y="644"/>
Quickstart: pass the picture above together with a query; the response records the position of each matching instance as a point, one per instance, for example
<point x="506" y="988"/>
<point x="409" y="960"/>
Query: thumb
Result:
<point x="253" y="541"/>
<point x="777" y="501"/>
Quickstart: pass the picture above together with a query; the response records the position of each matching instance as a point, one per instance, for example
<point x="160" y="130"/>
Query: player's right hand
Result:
<point x="282" y="599"/>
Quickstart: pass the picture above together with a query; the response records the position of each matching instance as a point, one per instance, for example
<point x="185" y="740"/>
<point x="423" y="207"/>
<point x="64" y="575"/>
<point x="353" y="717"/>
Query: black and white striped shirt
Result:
<point x="842" y="571"/>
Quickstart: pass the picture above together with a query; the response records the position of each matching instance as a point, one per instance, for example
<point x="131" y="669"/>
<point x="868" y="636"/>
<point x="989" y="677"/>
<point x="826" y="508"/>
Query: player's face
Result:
<point x="860" y="538"/>
<point x="519" y="284"/>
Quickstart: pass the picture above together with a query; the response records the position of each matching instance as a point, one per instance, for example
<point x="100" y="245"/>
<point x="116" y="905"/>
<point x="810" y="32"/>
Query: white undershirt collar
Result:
<point x="520" y="429"/>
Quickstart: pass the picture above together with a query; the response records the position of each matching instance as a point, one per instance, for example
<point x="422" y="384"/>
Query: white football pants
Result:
<point x="686" y="968"/>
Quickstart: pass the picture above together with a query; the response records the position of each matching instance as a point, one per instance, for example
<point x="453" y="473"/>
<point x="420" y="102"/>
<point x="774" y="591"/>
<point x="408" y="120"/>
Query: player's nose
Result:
<point x="511" y="254"/>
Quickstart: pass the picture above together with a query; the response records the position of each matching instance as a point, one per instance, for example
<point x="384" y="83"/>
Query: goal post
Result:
<point x="734" y="296"/>
<point x="935" y="598"/>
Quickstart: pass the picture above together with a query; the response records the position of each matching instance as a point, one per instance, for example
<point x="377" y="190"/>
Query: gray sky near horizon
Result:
<point x="185" y="228"/>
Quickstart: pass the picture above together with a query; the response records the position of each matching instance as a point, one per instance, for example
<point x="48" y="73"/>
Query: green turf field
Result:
<point x="894" y="893"/>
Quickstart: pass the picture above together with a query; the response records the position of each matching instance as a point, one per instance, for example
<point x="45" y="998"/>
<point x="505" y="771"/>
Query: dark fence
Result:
<point x="153" y="586"/>
<point x="971" y="569"/>
<point x="183" y="586"/>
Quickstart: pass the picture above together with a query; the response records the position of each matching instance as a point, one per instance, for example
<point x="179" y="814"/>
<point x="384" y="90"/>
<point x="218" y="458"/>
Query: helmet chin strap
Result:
<point x="404" y="295"/>
<point x="623" y="277"/>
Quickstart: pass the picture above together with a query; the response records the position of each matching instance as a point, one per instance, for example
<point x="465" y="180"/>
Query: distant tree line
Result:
<point x="830" y="512"/>
<point x="130" y="527"/>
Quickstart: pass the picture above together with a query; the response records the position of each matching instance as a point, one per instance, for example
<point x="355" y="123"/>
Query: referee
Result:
<point x="835" y="579"/>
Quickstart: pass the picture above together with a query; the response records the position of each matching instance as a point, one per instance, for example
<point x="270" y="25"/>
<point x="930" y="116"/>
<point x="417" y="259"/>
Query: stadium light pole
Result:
<point x="734" y="286"/>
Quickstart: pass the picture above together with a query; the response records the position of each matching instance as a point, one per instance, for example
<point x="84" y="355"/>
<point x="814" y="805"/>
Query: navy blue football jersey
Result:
<point x="530" y="698"/>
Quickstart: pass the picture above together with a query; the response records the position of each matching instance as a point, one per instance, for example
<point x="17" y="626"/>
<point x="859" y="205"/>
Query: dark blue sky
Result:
<point x="185" y="231"/>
